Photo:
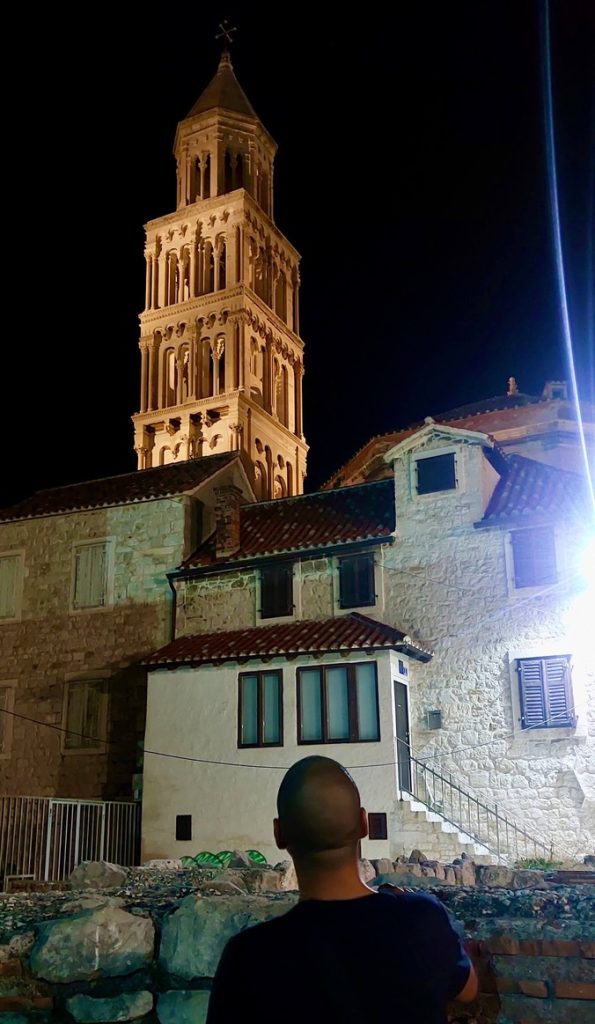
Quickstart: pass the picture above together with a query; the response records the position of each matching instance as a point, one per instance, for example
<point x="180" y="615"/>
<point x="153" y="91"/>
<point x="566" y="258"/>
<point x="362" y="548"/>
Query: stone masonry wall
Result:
<point x="52" y="645"/>
<point x="149" y="946"/>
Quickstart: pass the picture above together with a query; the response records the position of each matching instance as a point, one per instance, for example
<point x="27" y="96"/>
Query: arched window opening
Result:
<point x="196" y="189"/>
<point x="209" y="268"/>
<point x="260" y="481"/>
<point x="264" y="190"/>
<point x="280" y="490"/>
<point x="172" y="269"/>
<point x="228" y="172"/>
<point x="290" y="490"/>
<point x="185" y="364"/>
<point x="261" y="274"/>
<point x="254" y="357"/>
<point x="281" y="296"/>
<point x="171" y="377"/>
<point x="221" y="265"/>
<point x="206" y="192"/>
<point x="282" y="380"/>
<point x="240" y="171"/>
<point x="206" y="383"/>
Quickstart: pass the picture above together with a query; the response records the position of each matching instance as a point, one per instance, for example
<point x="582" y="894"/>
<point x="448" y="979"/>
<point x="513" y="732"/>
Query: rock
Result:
<point x="127" y="1006"/>
<point x="289" y="880"/>
<point x="496" y="875"/>
<point x="413" y="869"/>
<point x="97" y="874"/>
<point x="92" y="903"/>
<point x="457" y="861"/>
<point x="261" y="879"/>
<point x="468" y="873"/>
<point x="240" y="860"/>
<point x="427" y="871"/>
<point x="183" y="1007"/>
<point x="167" y="864"/>
<point x="526" y="878"/>
<point x="589" y="860"/>
<point x="406" y="880"/>
<point x="224" y="886"/>
<point x="21" y="945"/>
<point x="440" y="872"/>
<point x="458" y="874"/>
<point x="95" y="943"/>
<point x="449" y="875"/>
<point x="383" y="866"/>
<point x="366" y="870"/>
<point x="417" y="857"/>
<point x="14" y="1018"/>
<point x="193" y="936"/>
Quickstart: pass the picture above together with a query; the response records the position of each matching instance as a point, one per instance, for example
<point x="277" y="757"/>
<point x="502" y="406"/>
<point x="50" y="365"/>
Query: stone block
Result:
<point x="97" y="874"/>
<point x="286" y="869"/>
<point x="183" y="1007"/>
<point x="417" y="857"/>
<point x="194" y="935"/>
<point x="495" y="875"/>
<point x="96" y="943"/>
<point x="366" y="870"/>
<point x="126" y="1006"/>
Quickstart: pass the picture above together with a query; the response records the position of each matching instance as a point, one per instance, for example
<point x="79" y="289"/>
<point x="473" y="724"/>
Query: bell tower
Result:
<point x="221" y="354"/>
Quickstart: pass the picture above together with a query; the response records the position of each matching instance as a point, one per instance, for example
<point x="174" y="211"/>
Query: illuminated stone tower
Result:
<point x="221" y="355"/>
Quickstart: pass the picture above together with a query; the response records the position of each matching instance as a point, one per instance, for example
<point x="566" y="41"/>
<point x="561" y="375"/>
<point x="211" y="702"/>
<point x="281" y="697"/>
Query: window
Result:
<point x="6" y="719"/>
<point x="276" y="591"/>
<point x="534" y="557"/>
<point x="546" y="692"/>
<point x="356" y="581"/>
<point x="91" y="571"/>
<point x="436" y="473"/>
<point x="183" y="827"/>
<point x="10" y="575"/>
<point x="85" y="715"/>
<point x="260" y="710"/>
<point x="377" y="828"/>
<point x="338" y="704"/>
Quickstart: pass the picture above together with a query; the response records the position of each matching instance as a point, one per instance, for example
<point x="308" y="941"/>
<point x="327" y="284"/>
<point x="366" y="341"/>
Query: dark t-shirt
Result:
<point x="383" y="957"/>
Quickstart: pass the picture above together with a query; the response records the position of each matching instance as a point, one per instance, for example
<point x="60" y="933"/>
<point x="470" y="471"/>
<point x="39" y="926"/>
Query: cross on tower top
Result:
<point x="226" y="33"/>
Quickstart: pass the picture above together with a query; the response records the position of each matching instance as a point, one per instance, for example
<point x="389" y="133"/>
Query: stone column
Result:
<point x="151" y="394"/>
<point x="163" y="267"/>
<point x="193" y="290"/>
<point x="148" y="280"/>
<point x="180" y="376"/>
<point x="143" y="377"/>
<point x="155" y="291"/>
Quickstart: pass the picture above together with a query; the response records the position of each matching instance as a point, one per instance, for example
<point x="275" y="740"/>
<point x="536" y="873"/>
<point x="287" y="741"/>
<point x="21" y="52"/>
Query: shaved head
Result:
<point x="320" y="814"/>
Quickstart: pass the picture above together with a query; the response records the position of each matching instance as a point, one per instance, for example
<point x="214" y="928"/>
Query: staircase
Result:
<point x="443" y="820"/>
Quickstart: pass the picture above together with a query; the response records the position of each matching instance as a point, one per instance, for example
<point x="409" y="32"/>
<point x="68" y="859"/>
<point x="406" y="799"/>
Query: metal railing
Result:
<point x="44" y="838"/>
<point x="485" y="825"/>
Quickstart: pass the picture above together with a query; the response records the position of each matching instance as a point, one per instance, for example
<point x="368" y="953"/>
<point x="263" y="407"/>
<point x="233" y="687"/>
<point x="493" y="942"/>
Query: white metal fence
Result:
<point x="46" y="837"/>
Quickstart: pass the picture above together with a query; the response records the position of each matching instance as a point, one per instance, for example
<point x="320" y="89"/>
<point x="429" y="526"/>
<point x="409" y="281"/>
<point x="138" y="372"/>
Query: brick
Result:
<point x="537" y="989"/>
<point x="576" y="990"/>
<point x="11" y="969"/>
<point x="10" y="1004"/>
<point x="551" y="947"/>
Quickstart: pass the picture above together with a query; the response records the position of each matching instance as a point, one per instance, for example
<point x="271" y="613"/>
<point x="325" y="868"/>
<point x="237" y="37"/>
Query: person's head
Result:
<point x="320" y="818"/>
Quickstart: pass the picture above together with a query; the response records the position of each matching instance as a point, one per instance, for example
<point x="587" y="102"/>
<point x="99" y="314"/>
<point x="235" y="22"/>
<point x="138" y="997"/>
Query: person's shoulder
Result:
<point x="262" y="934"/>
<point x="419" y="903"/>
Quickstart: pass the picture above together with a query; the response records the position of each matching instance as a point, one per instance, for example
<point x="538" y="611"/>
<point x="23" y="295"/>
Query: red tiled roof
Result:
<point x="310" y="521"/>
<point x="343" y="633"/>
<point x="142" y="485"/>
<point x="529" y="488"/>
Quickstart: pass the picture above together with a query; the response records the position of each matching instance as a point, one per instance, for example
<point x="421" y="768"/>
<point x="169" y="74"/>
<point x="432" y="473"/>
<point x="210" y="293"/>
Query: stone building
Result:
<point x="428" y="630"/>
<point x="83" y="598"/>
<point x="222" y="358"/>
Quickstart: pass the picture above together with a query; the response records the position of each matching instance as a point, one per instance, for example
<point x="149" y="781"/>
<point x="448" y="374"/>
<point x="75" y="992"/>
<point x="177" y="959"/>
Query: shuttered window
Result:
<point x="356" y="581"/>
<point x="85" y="719"/>
<point x="91" y="565"/>
<point x="260" y="709"/>
<point x="534" y="557"/>
<point x="276" y="591"/>
<point x="546" y="692"/>
<point x="10" y="573"/>
<point x="436" y="473"/>
<point x="338" y="704"/>
<point x="6" y="705"/>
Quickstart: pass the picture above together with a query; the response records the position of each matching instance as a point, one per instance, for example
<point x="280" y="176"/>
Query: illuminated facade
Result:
<point x="221" y="355"/>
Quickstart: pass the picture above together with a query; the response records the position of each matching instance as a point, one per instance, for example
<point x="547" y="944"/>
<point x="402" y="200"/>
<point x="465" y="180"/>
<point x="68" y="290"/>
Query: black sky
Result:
<point x="411" y="176"/>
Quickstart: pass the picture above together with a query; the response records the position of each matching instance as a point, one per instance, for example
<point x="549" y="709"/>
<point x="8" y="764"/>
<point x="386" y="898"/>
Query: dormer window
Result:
<point x="356" y="581"/>
<point x="436" y="473"/>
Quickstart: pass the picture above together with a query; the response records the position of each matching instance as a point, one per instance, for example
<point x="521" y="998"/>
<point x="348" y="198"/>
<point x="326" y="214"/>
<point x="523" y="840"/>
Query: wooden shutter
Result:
<point x="3" y="718"/>
<point x="90" y="588"/>
<point x="9" y="567"/>
<point x="534" y="556"/>
<point x="75" y="716"/>
<point x="545" y="692"/>
<point x="356" y="581"/>
<point x="276" y="591"/>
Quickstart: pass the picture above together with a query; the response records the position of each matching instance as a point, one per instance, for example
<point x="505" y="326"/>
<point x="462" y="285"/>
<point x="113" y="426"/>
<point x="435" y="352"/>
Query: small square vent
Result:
<point x="434" y="719"/>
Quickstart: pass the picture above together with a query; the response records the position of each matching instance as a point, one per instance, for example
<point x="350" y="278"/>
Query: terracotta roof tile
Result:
<point x="343" y="633"/>
<point x="142" y="485"/>
<point x="532" y="488"/>
<point x="310" y="521"/>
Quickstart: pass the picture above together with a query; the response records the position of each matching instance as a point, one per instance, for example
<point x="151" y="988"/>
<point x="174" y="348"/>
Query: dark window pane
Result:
<point x="377" y="827"/>
<point x="249" y="710"/>
<point x="534" y="555"/>
<point x="272" y="707"/>
<point x="436" y="473"/>
<point x="183" y="827"/>
<point x="276" y="591"/>
<point x="309" y="682"/>
<point x="356" y="581"/>
<point x="337" y="704"/>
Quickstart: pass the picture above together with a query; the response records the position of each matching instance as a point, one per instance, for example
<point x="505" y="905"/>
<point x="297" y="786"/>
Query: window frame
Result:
<point x="358" y="556"/>
<point x="109" y="543"/>
<point x="102" y="719"/>
<point x="280" y="566"/>
<point x="377" y="823"/>
<point x="417" y="457"/>
<point x="351" y="704"/>
<point x="568" y="723"/>
<point x="7" y="686"/>
<point x="260" y="673"/>
<point x="19" y="554"/>
<point x="515" y="585"/>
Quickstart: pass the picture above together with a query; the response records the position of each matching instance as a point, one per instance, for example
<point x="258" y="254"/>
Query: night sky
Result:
<point x="411" y="176"/>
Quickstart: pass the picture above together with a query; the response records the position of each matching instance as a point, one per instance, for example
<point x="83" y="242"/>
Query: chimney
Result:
<point x="227" y="520"/>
